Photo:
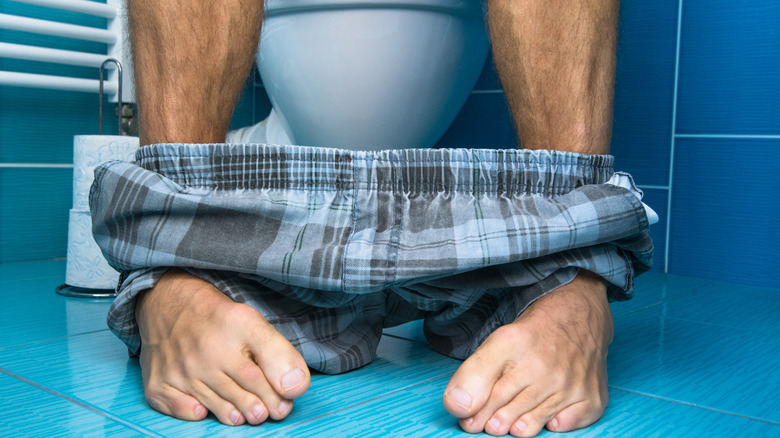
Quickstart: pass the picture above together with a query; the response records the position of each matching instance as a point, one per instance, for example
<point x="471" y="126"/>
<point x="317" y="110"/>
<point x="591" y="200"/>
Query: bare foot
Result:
<point x="203" y="352"/>
<point x="548" y="368"/>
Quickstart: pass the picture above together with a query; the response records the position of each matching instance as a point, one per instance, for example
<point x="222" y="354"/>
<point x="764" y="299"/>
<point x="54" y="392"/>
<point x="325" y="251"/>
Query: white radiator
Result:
<point x="115" y="36"/>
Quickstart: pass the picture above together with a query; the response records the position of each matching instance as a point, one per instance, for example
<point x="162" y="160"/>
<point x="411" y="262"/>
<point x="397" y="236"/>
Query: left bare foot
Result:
<point x="548" y="368"/>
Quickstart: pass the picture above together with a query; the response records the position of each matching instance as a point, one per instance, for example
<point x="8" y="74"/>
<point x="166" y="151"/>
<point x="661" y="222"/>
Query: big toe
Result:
<point x="283" y="366"/>
<point x="470" y="386"/>
<point x="459" y="402"/>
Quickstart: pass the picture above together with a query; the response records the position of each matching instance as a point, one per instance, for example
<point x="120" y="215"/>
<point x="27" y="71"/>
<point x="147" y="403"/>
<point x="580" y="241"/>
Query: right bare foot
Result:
<point x="202" y="352"/>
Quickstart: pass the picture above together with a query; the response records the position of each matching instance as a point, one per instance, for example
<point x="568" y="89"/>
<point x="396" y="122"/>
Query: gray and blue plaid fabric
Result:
<point x="333" y="245"/>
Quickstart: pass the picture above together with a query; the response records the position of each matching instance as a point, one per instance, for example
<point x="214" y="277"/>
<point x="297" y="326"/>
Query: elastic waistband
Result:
<point x="478" y="171"/>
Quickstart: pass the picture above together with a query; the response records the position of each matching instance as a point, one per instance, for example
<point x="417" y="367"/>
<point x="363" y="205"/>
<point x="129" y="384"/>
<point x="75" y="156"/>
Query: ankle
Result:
<point x="582" y="301"/>
<point x="177" y="293"/>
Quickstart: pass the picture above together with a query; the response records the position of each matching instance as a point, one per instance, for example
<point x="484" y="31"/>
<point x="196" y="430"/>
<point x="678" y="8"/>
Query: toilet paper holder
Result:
<point x="126" y="122"/>
<point x="67" y="290"/>
<point x="122" y="114"/>
<point x="118" y="95"/>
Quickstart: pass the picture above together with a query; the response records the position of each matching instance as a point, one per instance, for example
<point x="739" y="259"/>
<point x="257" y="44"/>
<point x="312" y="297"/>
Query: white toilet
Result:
<point x="368" y="74"/>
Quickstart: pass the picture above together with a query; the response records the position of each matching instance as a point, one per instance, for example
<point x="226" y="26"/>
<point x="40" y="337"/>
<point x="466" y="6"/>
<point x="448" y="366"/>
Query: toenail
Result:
<point x="198" y="411"/>
<point x="235" y="417"/>
<point x="258" y="412"/>
<point x="460" y="398"/>
<point x="554" y="423"/>
<point x="284" y="406"/>
<point x="520" y="425"/>
<point x="292" y="379"/>
<point x="468" y="421"/>
<point x="494" y="424"/>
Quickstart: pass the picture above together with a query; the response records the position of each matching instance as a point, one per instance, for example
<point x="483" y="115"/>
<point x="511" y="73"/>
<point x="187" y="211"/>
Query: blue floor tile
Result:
<point x="30" y="411"/>
<point x="635" y="415"/>
<point x="417" y="411"/>
<point x="702" y="363"/>
<point x="751" y="310"/>
<point x="691" y="357"/>
<point x="31" y="311"/>
<point x="656" y="287"/>
<point x="96" y="371"/>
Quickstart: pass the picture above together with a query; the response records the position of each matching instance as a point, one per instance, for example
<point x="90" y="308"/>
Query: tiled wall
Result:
<point x="697" y="122"/>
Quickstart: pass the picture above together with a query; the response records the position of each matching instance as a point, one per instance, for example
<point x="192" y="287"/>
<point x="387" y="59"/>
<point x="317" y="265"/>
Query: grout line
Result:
<point x="651" y="187"/>
<point x="35" y="166"/>
<point x="720" y="411"/>
<point x="695" y="321"/>
<point x="672" y="143"/>
<point x="738" y="136"/>
<point x="50" y="259"/>
<point x="318" y="417"/>
<point x="52" y="339"/>
<point x="83" y="404"/>
<point x="487" y="91"/>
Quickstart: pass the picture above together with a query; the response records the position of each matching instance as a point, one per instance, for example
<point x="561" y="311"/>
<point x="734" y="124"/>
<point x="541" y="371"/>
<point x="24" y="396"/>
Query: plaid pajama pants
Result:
<point x="331" y="246"/>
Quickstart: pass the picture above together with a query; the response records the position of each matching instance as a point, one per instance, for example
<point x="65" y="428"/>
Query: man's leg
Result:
<point x="201" y="351"/>
<point x="556" y="61"/>
<point x="191" y="60"/>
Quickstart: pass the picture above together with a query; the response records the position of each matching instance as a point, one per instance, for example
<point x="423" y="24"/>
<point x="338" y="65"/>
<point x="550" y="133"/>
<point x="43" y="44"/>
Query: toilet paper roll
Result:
<point x="89" y="151"/>
<point x="86" y="267"/>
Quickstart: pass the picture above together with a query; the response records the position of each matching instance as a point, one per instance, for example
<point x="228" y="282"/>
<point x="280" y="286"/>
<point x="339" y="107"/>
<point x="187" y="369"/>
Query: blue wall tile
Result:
<point x="730" y="68"/>
<point x="726" y="210"/>
<point x="34" y="206"/>
<point x="34" y="202"/>
<point x="658" y="200"/>
<point x="37" y="126"/>
<point x="483" y="122"/>
<point x="644" y="90"/>
<point x="40" y="124"/>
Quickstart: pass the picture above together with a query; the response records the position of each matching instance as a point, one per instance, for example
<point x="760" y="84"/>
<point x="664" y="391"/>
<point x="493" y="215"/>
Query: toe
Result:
<point x="458" y="401"/>
<point x="226" y="412"/>
<point x="473" y="383"/>
<point x="282" y="365"/>
<point x="249" y="406"/>
<point x="255" y="402"/>
<point x="170" y="401"/>
<point x="251" y="378"/>
<point x="497" y="427"/>
<point x="501" y="419"/>
<point x="576" y="416"/>
<point x="531" y="423"/>
<point x="518" y="428"/>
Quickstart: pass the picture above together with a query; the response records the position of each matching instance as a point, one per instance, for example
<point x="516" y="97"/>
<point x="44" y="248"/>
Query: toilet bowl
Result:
<point x="370" y="74"/>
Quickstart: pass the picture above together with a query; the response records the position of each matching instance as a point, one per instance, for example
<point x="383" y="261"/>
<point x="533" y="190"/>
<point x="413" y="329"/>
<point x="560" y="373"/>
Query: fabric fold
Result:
<point x="403" y="223"/>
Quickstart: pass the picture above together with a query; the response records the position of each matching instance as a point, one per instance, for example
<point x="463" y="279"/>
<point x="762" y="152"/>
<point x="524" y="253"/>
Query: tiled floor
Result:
<point x="691" y="357"/>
